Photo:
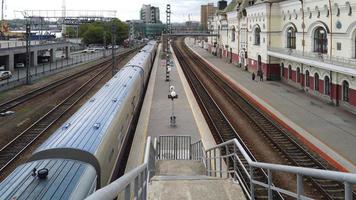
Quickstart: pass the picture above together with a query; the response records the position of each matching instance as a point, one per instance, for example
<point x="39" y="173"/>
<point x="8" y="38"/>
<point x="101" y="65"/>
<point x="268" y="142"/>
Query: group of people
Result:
<point x="259" y="74"/>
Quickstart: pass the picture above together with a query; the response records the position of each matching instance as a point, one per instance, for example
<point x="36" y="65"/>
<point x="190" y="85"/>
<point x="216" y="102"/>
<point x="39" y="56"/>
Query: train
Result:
<point x="82" y="155"/>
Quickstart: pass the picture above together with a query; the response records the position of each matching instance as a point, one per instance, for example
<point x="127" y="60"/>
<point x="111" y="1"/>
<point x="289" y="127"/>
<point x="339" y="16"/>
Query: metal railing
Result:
<point x="197" y="151"/>
<point x="133" y="183"/>
<point x="341" y="61"/>
<point x="173" y="147"/>
<point x="233" y="150"/>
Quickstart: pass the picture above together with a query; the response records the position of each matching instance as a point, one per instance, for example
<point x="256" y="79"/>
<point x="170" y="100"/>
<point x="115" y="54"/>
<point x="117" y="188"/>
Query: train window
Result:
<point x="111" y="154"/>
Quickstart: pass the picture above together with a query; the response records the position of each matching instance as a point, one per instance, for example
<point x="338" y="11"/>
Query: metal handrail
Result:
<point x="348" y="179"/>
<point x="137" y="179"/>
<point x="337" y="60"/>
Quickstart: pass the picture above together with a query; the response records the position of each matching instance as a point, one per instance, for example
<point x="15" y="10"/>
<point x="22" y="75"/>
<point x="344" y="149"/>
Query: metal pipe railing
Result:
<point x="134" y="183"/>
<point x="348" y="179"/>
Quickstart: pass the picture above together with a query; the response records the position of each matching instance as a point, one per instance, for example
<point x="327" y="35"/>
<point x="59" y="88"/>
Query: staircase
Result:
<point x="174" y="168"/>
<point x="186" y="179"/>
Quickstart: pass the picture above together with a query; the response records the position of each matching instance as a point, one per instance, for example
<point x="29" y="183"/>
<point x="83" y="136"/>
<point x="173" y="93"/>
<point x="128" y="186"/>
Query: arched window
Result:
<point x="233" y="34"/>
<point x="345" y="91"/>
<point x="291" y="38"/>
<point x="298" y="75"/>
<point x="355" y="46"/>
<point x="320" y="40"/>
<point x="257" y="35"/>
<point x="327" y="85"/>
<point x="316" y="82"/>
<point x="307" y="80"/>
<point x="282" y="70"/>
<point x="289" y="72"/>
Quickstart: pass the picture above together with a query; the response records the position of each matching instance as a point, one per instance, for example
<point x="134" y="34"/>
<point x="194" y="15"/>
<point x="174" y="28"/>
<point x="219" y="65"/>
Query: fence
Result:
<point x="19" y="75"/>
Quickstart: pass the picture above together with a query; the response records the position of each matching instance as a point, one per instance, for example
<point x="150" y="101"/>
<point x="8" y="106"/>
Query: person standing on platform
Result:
<point x="253" y="76"/>
<point x="261" y="76"/>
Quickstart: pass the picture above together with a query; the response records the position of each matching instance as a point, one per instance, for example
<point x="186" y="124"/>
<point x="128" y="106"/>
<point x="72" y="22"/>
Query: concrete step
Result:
<point x="179" y="168"/>
<point x="195" y="189"/>
<point x="174" y="178"/>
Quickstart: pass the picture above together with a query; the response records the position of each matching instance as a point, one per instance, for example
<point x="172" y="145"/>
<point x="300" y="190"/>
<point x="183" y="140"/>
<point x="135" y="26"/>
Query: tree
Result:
<point x="93" y="33"/>
<point x="71" y="32"/>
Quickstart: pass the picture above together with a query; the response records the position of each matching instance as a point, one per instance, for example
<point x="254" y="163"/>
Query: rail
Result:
<point x="133" y="183"/>
<point x="231" y="150"/>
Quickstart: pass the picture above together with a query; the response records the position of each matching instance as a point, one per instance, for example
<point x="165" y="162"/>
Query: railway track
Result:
<point x="19" y="144"/>
<point x="23" y="98"/>
<point x="283" y="142"/>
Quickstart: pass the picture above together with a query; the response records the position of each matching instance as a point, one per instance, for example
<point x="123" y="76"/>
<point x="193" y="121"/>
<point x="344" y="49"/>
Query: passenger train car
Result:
<point x="81" y="155"/>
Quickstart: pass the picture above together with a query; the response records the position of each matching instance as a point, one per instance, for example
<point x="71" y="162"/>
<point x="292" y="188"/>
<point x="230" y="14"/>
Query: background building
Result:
<point x="150" y="14"/>
<point x="206" y="14"/>
<point x="310" y="45"/>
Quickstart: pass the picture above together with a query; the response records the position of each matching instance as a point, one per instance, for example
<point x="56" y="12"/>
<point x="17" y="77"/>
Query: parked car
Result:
<point x="20" y="65"/>
<point x="89" y="50"/>
<point x="2" y="67"/>
<point x="5" y="75"/>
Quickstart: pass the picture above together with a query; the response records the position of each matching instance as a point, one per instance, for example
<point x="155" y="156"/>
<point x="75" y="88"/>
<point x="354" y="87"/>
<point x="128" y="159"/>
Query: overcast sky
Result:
<point x="126" y="9"/>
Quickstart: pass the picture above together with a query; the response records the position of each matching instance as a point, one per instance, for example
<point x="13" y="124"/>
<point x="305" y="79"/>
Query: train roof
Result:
<point x="62" y="179"/>
<point x="139" y="59"/>
<point x="86" y="128"/>
<point x="149" y="47"/>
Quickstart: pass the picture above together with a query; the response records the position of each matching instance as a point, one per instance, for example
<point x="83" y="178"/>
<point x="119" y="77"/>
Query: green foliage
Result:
<point x="71" y="32"/>
<point x="97" y="32"/>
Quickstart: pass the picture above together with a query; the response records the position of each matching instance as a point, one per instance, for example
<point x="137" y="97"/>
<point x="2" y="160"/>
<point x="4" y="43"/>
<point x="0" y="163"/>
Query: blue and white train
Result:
<point x="82" y="154"/>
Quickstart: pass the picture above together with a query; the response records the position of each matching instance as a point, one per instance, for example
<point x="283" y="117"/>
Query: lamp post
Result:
<point x="173" y="95"/>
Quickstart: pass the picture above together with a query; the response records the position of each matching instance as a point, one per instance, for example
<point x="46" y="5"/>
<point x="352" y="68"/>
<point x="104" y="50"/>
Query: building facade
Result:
<point x="308" y="44"/>
<point x="150" y="14"/>
<point x="206" y="14"/>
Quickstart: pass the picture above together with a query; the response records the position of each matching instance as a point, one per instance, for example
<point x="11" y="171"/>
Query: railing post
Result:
<point x="144" y="184"/>
<point x="348" y="191"/>
<point x="234" y="162"/>
<point x="220" y="165"/>
<point x="136" y="187"/>
<point x="209" y="163"/>
<point x="128" y="192"/>
<point x="269" y="184"/>
<point x="227" y="162"/>
<point x="252" y="186"/>
<point x="299" y="186"/>
<point x="215" y="163"/>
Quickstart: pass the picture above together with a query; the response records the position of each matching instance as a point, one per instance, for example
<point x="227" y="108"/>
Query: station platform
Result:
<point x="176" y="179"/>
<point x="155" y="114"/>
<point x="328" y="130"/>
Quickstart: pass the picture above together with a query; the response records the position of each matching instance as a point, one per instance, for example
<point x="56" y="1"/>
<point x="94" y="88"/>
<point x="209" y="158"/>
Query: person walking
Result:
<point x="253" y="76"/>
<point x="261" y="76"/>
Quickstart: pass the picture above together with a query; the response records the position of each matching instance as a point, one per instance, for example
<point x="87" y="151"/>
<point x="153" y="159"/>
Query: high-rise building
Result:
<point x="206" y="14"/>
<point x="150" y="14"/>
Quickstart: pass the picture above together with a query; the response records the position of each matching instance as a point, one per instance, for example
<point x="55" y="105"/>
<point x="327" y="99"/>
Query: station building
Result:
<point x="309" y="44"/>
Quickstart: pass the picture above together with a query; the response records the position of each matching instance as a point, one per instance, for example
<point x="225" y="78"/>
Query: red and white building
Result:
<point x="309" y="44"/>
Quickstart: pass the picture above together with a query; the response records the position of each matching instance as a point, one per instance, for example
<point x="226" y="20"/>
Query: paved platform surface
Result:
<point x="157" y="108"/>
<point x="330" y="128"/>
<point x="183" y="179"/>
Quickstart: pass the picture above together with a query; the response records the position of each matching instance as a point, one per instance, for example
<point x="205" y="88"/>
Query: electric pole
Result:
<point x="28" y="52"/>
<point x="113" y="32"/>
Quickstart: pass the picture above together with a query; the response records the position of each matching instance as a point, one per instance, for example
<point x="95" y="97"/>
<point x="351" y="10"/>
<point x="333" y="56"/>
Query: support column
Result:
<point x="51" y="53"/>
<point x="11" y="62"/>
<point x="34" y="58"/>
<point x="67" y="51"/>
